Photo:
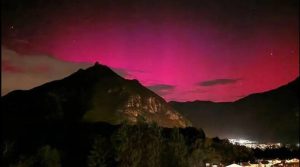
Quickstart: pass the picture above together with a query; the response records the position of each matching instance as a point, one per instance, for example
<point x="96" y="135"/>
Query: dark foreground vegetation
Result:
<point x="105" y="145"/>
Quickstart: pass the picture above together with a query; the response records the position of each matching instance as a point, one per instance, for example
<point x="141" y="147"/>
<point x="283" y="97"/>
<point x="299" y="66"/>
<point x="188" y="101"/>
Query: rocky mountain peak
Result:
<point x="96" y="94"/>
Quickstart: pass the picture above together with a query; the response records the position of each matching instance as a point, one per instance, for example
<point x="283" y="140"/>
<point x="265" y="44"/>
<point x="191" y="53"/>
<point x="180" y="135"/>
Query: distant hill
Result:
<point x="268" y="116"/>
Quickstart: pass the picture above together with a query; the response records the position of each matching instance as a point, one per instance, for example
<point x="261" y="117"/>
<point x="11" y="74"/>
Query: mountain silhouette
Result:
<point x="271" y="116"/>
<point x="64" y="117"/>
<point x="96" y="94"/>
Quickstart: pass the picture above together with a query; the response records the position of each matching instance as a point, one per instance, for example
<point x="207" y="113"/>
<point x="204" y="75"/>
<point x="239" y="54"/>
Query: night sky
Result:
<point x="182" y="49"/>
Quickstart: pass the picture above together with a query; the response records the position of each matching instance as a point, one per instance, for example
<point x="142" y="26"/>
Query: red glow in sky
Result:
<point x="252" y="49"/>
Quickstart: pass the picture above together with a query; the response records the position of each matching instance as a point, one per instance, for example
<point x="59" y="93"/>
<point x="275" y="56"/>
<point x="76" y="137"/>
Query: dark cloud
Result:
<point x="127" y="73"/>
<point x="122" y="72"/>
<point x="218" y="82"/>
<point x="161" y="89"/>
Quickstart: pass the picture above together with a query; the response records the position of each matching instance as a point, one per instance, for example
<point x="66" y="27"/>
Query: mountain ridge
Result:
<point x="274" y="115"/>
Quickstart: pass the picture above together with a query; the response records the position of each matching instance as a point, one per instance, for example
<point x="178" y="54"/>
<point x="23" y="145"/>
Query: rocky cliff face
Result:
<point x="96" y="94"/>
<point x="151" y="109"/>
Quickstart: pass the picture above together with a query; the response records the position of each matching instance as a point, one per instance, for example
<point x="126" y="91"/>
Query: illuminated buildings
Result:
<point x="254" y="144"/>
